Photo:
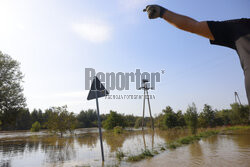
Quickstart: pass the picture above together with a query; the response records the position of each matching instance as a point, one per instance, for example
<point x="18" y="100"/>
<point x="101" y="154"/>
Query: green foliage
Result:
<point x="11" y="91"/>
<point x="35" y="127"/>
<point x="238" y="128"/>
<point x="118" y="129"/>
<point x="239" y="114"/>
<point x="207" y="117"/>
<point x="145" y="154"/>
<point x="190" y="139"/>
<point x="87" y="119"/>
<point x="162" y="149"/>
<point x="23" y="120"/>
<point x="191" y="118"/>
<point x="130" y="120"/>
<point x="168" y="109"/>
<point x="180" y="119"/>
<point x="61" y="121"/>
<point x="114" y="119"/>
<point x="170" y="120"/>
<point x="120" y="155"/>
<point x="37" y="115"/>
<point x="159" y="121"/>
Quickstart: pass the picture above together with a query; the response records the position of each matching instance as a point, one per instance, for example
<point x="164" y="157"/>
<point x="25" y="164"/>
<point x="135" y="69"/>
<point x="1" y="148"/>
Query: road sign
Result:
<point x="98" y="90"/>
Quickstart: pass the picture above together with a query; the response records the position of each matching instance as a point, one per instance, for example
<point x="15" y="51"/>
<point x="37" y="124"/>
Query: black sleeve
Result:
<point x="223" y="32"/>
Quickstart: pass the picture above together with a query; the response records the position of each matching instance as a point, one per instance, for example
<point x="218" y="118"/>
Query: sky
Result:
<point x="55" y="40"/>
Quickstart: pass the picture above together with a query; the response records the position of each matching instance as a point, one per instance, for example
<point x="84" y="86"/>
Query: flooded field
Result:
<point x="83" y="149"/>
<point x="219" y="150"/>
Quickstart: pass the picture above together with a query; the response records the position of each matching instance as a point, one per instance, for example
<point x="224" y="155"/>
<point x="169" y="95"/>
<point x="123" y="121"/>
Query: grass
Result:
<point x="162" y="148"/>
<point x="239" y="127"/>
<point x="145" y="154"/>
<point x="191" y="139"/>
<point x="120" y="155"/>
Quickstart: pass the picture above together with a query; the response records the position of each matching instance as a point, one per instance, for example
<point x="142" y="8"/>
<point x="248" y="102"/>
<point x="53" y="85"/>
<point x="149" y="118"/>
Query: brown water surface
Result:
<point x="221" y="150"/>
<point x="28" y="149"/>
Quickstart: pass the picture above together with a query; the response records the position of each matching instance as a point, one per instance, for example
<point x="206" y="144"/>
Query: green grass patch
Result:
<point x="119" y="155"/>
<point x="190" y="139"/>
<point x="145" y="154"/>
<point x="239" y="127"/>
<point x="162" y="149"/>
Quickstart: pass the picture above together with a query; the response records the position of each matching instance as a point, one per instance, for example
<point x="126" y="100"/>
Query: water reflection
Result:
<point x="89" y="139"/>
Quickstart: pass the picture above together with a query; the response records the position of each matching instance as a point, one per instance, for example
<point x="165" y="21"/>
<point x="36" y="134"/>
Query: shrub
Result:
<point x="114" y="119"/>
<point x="118" y="129"/>
<point x="35" y="127"/>
<point x="119" y="155"/>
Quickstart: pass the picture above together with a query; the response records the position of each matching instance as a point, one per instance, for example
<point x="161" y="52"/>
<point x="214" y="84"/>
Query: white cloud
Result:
<point x="95" y="32"/>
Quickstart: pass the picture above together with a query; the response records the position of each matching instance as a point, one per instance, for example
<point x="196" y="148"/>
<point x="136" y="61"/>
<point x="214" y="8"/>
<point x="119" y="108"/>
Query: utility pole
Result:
<point x="236" y="96"/>
<point x="145" y="89"/>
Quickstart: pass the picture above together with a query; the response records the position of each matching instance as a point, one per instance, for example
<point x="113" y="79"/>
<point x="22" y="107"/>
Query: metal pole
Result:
<point x="153" y="139"/>
<point x="143" y="109"/>
<point x="235" y="93"/>
<point x="99" y="125"/>
<point x="238" y="98"/>
<point x="152" y="121"/>
<point x="144" y="141"/>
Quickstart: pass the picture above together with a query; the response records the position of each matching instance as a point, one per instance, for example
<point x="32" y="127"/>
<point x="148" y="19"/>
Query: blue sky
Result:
<point x="56" y="40"/>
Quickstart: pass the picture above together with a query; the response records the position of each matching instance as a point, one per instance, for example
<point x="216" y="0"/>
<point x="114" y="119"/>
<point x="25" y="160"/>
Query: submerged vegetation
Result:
<point x="145" y="154"/>
<point x="180" y="142"/>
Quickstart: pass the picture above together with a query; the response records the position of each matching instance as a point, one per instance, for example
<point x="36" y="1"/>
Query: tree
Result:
<point x="170" y="120"/>
<point x="23" y="121"/>
<point x="11" y="91"/>
<point x="87" y="119"/>
<point x="239" y="114"/>
<point x="159" y="120"/>
<point x="168" y="109"/>
<point x="223" y="117"/>
<point x="35" y="127"/>
<point x="209" y="115"/>
<point x="130" y="120"/>
<point x="114" y="119"/>
<point x="180" y="119"/>
<point x="191" y="118"/>
<point x="61" y="121"/>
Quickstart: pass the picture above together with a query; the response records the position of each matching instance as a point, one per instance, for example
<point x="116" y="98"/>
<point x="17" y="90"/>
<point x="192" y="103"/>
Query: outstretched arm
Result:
<point x="180" y="21"/>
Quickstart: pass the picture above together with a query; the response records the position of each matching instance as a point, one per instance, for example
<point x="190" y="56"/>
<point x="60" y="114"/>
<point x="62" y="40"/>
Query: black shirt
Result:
<point x="234" y="34"/>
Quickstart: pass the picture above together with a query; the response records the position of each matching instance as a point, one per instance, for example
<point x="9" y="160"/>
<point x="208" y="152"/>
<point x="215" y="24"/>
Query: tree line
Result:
<point x="208" y="117"/>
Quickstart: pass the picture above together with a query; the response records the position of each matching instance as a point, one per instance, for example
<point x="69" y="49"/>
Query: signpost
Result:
<point x="98" y="90"/>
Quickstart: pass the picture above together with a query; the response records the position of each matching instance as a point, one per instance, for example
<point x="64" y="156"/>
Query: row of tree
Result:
<point x="238" y="114"/>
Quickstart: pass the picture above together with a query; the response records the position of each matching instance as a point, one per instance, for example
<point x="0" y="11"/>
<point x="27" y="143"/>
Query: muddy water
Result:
<point x="221" y="150"/>
<point x="83" y="149"/>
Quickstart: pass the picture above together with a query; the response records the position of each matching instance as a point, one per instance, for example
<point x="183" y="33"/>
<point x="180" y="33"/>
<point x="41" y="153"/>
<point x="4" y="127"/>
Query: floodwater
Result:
<point x="28" y="149"/>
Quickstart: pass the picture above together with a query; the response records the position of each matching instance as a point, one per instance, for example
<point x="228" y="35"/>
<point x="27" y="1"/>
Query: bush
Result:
<point x="120" y="155"/>
<point x="114" y="119"/>
<point x="35" y="127"/>
<point x="170" y="120"/>
<point x="118" y="129"/>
